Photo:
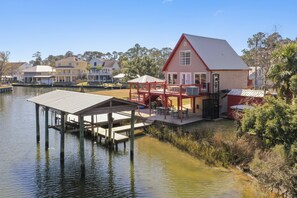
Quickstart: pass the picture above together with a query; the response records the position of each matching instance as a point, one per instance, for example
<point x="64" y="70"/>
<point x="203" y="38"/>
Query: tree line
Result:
<point x="276" y="58"/>
<point x="135" y="61"/>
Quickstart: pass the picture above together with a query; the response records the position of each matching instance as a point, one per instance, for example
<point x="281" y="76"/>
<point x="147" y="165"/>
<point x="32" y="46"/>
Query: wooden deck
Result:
<point x="116" y="137"/>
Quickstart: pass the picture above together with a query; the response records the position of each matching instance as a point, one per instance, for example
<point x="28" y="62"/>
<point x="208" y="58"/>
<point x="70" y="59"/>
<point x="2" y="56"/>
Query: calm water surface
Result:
<point x="159" y="170"/>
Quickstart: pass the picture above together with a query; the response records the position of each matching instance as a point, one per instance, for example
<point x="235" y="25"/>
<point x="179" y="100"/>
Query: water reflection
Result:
<point x="159" y="170"/>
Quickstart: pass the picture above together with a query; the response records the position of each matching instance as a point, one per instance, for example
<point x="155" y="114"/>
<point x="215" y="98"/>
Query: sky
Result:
<point x="54" y="27"/>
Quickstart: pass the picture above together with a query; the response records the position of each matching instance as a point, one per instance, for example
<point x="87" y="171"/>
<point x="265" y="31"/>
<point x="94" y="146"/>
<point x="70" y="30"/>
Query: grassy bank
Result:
<point x="218" y="145"/>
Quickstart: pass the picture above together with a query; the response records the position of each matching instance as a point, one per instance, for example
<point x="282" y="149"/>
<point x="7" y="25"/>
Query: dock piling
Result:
<point x="62" y="143"/>
<point x="132" y="135"/>
<point x="82" y="145"/>
<point x="37" y="124"/>
<point x="46" y="129"/>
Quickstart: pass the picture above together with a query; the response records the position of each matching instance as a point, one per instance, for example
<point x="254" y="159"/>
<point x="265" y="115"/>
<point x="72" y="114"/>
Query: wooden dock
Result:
<point x="116" y="137"/>
<point x="5" y="89"/>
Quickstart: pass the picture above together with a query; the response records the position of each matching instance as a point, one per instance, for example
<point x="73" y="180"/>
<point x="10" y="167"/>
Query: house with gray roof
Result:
<point x="101" y="70"/>
<point x="208" y="61"/>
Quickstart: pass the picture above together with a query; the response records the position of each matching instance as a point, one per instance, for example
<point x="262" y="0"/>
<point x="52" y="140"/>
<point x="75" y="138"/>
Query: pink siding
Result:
<point x="196" y="64"/>
<point x="228" y="79"/>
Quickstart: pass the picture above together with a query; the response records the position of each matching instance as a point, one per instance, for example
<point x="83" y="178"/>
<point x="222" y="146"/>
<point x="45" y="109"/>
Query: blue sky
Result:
<point x="56" y="26"/>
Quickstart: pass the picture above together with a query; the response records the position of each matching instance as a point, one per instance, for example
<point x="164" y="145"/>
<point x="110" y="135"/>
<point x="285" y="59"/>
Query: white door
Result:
<point x="185" y="78"/>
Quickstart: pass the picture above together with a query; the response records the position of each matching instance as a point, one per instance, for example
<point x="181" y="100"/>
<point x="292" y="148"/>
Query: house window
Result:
<point x="172" y="78"/>
<point x="200" y="78"/>
<point x="95" y="64"/>
<point x="185" y="57"/>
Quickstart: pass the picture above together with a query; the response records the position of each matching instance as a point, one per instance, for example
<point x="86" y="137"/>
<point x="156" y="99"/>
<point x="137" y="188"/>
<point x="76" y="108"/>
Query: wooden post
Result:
<point x="150" y="98"/>
<point x="92" y="123"/>
<point x="194" y="104"/>
<point x="46" y="129"/>
<point x="82" y="145"/>
<point x="37" y="124"/>
<point x="181" y="106"/>
<point x="132" y="135"/>
<point x="62" y="146"/>
<point x="109" y="129"/>
<point x="130" y="92"/>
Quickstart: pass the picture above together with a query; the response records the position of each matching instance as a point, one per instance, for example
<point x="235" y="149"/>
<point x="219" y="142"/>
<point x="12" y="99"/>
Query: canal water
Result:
<point x="159" y="170"/>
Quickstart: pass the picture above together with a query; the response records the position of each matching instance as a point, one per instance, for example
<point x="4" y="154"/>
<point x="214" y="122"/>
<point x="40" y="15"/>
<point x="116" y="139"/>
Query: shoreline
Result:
<point x="67" y="86"/>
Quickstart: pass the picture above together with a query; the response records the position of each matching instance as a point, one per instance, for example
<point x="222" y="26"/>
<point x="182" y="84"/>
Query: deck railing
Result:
<point x="184" y="89"/>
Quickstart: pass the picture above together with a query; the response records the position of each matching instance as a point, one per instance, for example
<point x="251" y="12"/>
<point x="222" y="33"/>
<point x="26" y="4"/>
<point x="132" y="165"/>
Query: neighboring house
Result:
<point x="260" y="76"/>
<point x="39" y="74"/>
<point x="239" y="99"/>
<point x="69" y="70"/>
<point x="208" y="62"/>
<point x="14" y="71"/>
<point x="101" y="70"/>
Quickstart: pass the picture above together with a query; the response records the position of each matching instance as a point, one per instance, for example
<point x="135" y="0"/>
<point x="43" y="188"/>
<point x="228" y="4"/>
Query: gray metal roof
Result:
<point x="74" y="102"/>
<point x="217" y="54"/>
<point x="246" y="93"/>
<point x="144" y="79"/>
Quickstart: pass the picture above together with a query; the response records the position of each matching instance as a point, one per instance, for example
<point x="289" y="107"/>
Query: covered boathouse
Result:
<point x="80" y="104"/>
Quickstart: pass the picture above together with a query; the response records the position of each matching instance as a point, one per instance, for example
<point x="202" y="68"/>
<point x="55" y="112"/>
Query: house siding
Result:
<point x="196" y="64"/>
<point x="233" y="79"/>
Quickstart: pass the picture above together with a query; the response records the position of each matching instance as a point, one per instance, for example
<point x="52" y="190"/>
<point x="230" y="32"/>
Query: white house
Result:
<point x="15" y="71"/>
<point x="101" y="70"/>
<point x="40" y="74"/>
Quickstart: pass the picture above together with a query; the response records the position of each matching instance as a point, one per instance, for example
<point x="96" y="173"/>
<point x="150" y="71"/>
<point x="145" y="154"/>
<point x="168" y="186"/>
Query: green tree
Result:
<point x="284" y="71"/>
<point x="274" y="123"/>
<point x="4" y="56"/>
<point x="140" y="66"/>
<point x="38" y="59"/>
<point x="68" y="54"/>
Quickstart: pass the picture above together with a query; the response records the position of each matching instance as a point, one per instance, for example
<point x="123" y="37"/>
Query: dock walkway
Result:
<point x="116" y="137"/>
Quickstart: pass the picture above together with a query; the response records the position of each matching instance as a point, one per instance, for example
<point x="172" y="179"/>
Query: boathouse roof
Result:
<point x="82" y="103"/>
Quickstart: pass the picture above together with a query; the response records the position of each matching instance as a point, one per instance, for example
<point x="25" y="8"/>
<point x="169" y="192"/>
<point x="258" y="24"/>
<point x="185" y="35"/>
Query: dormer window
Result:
<point x="185" y="57"/>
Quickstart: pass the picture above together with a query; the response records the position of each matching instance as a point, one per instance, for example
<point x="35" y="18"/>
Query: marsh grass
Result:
<point x="207" y="143"/>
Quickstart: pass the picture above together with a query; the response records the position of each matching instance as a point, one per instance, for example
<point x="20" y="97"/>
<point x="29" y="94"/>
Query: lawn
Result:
<point x="124" y="94"/>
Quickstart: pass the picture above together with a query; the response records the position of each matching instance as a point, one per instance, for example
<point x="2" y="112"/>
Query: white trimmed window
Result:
<point x="172" y="78"/>
<point x="185" y="57"/>
<point x="200" y="78"/>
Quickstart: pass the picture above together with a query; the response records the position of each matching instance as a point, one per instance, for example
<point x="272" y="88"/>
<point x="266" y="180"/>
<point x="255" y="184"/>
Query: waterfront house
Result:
<point x="39" y="74"/>
<point x="69" y="70"/>
<point x="200" y="69"/>
<point x="15" y="71"/>
<point x="101" y="70"/>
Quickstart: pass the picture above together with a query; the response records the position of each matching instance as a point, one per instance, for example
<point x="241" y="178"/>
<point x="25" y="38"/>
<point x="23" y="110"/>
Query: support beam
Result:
<point x="109" y="129"/>
<point x="92" y="127"/>
<point x="82" y="145"/>
<point x="46" y="129"/>
<point x="194" y="104"/>
<point x="37" y="124"/>
<point x="62" y="146"/>
<point x="132" y="135"/>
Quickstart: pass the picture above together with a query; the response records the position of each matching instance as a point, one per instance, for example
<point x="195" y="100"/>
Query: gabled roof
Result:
<point x="70" y="59"/>
<point x="15" y="65"/>
<point x="216" y="54"/>
<point x="40" y="68"/>
<point x="247" y="93"/>
<point x="144" y="79"/>
<point x="79" y="103"/>
<point x="108" y="63"/>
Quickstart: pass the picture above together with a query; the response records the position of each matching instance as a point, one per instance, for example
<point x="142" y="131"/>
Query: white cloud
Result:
<point x="217" y="13"/>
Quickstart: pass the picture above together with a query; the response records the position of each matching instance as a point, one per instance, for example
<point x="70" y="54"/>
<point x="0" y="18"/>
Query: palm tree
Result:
<point x="284" y="71"/>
